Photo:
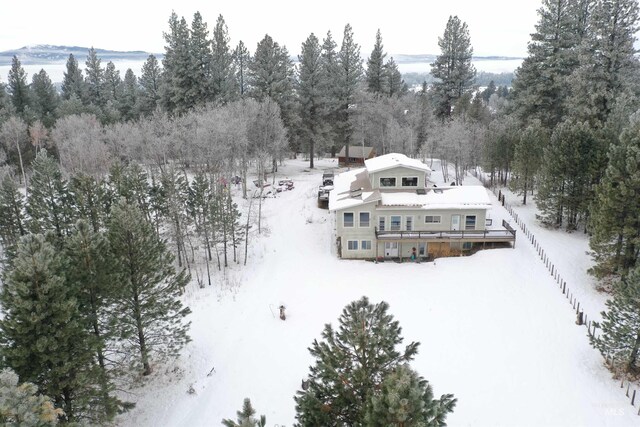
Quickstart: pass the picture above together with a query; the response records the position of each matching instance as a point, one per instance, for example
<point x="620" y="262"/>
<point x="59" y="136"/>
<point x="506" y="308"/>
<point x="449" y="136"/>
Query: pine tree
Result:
<point x="95" y="79"/>
<point x="349" y="76"/>
<point x="246" y="417"/>
<point x="351" y="363"/>
<point x="177" y="89"/>
<point x="112" y="84"/>
<point x="18" y="88"/>
<point x="395" y="85"/>
<point x="541" y="87"/>
<point x="608" y="66"/>
<point x="310" y="95"/>
<point x="329" y="73"/>
<point x="150" y="82"/>
<point x="406" y="400"/>
<point x="376" y="72"/>
<point x="201" y="62"/>
<point x="131" y="183"/>
<point x="223" y="83"/>
<point x="615" y="225"/>
<point x="73" y="84"/>
<point x="147" y="288"/>
<point x="89" y="273"/>
<point x="44" y="98"/>
<point x="527" y="159"/>
<point x="12" y="216"/>
<point x="49" y="202"/>
<point x="452" y="67"/>
<point x="43" y="337"/>
<point x="21" y="405"/>
<point x="271" y="76"/>
<point x="242" y="59"/>
<point x="129" y="97"/>
<point x="620" y="338"/>
<point x="569" y="161"/>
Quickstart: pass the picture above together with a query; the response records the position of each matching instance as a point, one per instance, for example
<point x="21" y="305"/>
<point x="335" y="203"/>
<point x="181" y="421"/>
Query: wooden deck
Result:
<point x="508" y="234"/>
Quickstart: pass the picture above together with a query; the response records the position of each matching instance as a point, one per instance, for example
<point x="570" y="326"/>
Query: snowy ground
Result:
<point x="493" y="327"/>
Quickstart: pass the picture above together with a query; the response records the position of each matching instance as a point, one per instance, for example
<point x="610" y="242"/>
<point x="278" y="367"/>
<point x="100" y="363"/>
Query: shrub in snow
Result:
<point x="20" y="405"/>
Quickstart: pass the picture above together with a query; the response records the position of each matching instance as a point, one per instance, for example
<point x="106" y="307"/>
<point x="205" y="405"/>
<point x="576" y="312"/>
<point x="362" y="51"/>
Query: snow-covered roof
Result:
<point x="353" y="188"/>
<point x="356" y="151"/>
<point x="456" y="197"/>
<point x="393" y="160"/>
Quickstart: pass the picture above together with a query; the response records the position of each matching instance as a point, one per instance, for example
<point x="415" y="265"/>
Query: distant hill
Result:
<point x="46" y="54"/>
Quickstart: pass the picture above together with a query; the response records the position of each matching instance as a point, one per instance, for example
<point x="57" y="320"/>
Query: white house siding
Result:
<point x="398" y="173"/>
<point x="357" y="233"/>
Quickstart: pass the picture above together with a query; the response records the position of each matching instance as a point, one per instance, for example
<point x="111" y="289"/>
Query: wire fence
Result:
<point x="581" y="317"/>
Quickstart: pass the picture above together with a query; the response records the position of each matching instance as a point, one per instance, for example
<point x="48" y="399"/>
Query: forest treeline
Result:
<point x="159" y="152"/>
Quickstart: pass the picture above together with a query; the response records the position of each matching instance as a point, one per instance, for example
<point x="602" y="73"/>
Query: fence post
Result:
<point x="633" y="398"/>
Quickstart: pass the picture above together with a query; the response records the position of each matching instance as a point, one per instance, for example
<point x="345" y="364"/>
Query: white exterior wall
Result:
<point x="397" y="173"/>
<point x="359" y="233"/>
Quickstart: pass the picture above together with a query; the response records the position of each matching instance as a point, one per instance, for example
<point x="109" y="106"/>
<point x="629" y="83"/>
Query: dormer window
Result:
<point x="387" y="182"/>
<point x="409" y="181"/>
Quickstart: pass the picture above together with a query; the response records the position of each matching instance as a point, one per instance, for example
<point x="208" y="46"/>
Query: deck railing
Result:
<point x="508" y="234"/>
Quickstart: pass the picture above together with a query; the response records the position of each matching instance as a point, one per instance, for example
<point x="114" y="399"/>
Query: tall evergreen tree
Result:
<point x="18" y="87"/>
<point x="406" y="400"/>
<point x="242" y="59"/>
<point x="129" y="97"/>
<point x="43" y="337"/>
<point x="527" y="159"/>
<point x="395" y="85"/>
<point x="541" y="87"/>
<point x="569" y="161"/>
<point x="48" y="204"/>
<point x="177" y="93"/>
<point x="620" y="338"/>
<point x="223" y="82"/>
<point x="310" y="94"/>
<point x="271" y="76"/>
<point x="44" y="98"/>
<point x="351" y="364"/>
<point x="147" y="288"/>
<point x="608" y="66"/>
<point x="112" y="83"/>
<point x="350" y="75"/>
<point x="95" y="79"/>
<point x="73" y="82"/>
<point x="200" y="67"/>
<point x="12" y="217"/>
<point x="452" y="68"/>
<point x="615" y="225"/>
<point x="376" y="73"/>
<point x="150" y="81"/>
<point x="329" y="73"/>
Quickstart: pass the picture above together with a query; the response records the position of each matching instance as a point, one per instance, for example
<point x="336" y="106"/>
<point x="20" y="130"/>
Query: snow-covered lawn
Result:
<point x="494" y="329"/>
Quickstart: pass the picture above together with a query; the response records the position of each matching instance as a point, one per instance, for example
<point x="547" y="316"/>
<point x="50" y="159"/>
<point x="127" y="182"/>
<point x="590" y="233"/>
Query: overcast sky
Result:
<point x="497" y="27"/>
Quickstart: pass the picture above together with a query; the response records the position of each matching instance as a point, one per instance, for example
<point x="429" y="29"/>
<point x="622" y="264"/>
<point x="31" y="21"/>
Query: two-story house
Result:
<point x="389" y="209"/>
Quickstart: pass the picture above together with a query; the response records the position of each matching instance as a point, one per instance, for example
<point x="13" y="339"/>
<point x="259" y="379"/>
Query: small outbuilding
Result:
<point x="357" y="155"/>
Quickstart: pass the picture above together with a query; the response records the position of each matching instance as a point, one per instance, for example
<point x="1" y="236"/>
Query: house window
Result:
<point x="467" y="245"/>
<point x="347" y="219"/>
<point x="381" y="223"/>
<point x="364" y="219"/>
<point x="387" y="182"/>
<point x="396" y="222"/>
<point x="432" y="219"/>
<point x="422" y="248"/>
<point x="352" y="245"/>
<point x="366" y="245"/>
<point x="410" y="181"/>
<point x="470" y="222"/>
<point x="408" y="222"/>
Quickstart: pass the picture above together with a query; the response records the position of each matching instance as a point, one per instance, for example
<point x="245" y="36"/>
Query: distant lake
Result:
<point x="56" y="70"/>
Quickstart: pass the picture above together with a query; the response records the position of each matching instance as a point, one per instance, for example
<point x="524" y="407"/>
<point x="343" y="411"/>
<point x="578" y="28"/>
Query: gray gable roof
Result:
<point x="356" y="151"/>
